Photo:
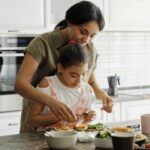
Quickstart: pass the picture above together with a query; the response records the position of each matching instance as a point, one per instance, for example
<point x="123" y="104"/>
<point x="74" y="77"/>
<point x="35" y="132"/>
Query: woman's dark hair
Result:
<point x="72" y="54"/>
<point x="82" y="12"/>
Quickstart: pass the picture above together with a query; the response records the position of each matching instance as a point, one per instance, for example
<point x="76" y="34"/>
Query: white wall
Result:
<point x="125" y="53"/>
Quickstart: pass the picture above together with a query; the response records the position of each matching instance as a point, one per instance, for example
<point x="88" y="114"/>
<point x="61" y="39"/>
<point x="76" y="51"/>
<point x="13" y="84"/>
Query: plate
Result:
<point x="140" y="141"/>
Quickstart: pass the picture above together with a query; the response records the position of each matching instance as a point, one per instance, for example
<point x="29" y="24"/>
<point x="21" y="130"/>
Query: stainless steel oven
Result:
<point x="11" y="56"/>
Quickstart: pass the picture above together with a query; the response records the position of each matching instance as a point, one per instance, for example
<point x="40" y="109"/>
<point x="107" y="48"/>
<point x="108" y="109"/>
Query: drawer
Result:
<point x="10" y="123"/>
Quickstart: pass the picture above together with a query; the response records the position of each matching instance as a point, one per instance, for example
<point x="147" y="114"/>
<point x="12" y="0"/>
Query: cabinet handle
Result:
<point x="13" y="124"/>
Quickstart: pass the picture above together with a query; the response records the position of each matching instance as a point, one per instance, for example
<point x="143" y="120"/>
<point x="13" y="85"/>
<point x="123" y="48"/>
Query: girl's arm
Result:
<point x="35" y="116"/>
<point x="36" y="119"/>
<point x="23" y="87"/>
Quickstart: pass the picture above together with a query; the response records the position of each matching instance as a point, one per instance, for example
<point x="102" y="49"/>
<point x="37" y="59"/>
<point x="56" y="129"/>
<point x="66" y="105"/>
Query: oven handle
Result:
<point x="12" y="55"/>
<point x="12" y="48"/>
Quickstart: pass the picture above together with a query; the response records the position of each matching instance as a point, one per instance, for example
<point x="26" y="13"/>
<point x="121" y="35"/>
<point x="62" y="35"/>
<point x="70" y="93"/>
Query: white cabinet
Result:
<point x="103" y="116"/>
<point x="10" y="102"/>
<point x="132" y="110"/>
<point x="122" y="111"/>
<point x="127" y="15"/>
<point x="34" y="15"/>
<point x="23" y="15"/>
<point x="10" y="123"/>
<point x="112" y="117"/>
<point x="57" y="9"/>
<point x="26" y="15"/>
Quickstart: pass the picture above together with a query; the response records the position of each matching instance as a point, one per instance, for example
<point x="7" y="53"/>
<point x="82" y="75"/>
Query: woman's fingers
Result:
<point x="72" y="116"/>
<point x="107" y="104"/>
<point x="62" y="111"/>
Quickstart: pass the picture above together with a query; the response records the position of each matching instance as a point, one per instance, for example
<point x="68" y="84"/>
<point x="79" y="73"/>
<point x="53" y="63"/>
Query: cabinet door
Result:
<point x="134" y="109"/>
<point x="112" y="117"/>
<point x="56" y="15"/>
<point x="22" y="14"/>
<point x="10" y="102"/>
<point x="127" y="14"/>
<point x="10" y="123"/>
<point x="104" y="117"/>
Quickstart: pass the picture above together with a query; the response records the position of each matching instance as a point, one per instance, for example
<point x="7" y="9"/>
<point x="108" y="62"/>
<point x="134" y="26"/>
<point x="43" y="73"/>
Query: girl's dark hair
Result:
<point x="72" y="54"/>
<point x="83" y="12"/>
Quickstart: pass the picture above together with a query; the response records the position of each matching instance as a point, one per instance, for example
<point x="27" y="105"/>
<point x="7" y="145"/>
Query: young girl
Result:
<point x="68" y="86"/>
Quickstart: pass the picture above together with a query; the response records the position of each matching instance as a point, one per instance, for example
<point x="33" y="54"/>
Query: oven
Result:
<point x="11" y="56"/>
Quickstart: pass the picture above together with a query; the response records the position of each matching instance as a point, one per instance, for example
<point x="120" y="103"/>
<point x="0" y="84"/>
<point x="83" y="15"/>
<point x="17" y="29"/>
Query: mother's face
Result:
<point x="84" y="33"/>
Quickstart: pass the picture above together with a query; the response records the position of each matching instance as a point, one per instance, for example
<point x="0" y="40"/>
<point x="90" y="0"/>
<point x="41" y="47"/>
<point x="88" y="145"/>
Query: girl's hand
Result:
<point x="89" y="116"/>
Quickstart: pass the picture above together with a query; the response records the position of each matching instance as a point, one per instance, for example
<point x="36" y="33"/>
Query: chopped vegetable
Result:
<point x="103" y="134"/>
<point x="97" y="126"/>
<point x="85" y="113"/>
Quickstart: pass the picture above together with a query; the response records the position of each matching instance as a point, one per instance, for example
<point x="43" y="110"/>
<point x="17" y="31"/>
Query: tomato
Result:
<point x="147" y="145"/>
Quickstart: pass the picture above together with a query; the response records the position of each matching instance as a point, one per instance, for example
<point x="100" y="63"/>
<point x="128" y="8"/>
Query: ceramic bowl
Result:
<point x="61" y="139"/>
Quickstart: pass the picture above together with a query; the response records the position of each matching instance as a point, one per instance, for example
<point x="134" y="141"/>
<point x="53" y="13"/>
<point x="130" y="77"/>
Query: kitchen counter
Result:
<point x="133" y="94"/>
<point x="30" y="141"/>
<point x="22" y="142"/>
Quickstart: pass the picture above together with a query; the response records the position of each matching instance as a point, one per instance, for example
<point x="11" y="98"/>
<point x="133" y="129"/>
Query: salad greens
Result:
<point x="105" y="134"/>
<point x="97" y="126"/>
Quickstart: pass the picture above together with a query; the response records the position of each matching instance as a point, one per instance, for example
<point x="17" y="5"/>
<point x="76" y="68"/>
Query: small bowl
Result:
<point x="61" y="139"/>
<point x="140" y="139"/>
<point x="140" y="142"/>
<point x="103" y="142"/>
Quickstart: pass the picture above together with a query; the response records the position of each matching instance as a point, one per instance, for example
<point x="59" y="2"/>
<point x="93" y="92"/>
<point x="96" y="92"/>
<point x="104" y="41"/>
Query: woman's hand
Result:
<point x="107" y="104"/>
<point x="101" y="95"/>
<point x="62" y="111"/>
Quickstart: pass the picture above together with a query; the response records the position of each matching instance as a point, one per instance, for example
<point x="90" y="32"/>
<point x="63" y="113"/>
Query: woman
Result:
<point x="68" y="86"/>
<point x="82" y="22"/>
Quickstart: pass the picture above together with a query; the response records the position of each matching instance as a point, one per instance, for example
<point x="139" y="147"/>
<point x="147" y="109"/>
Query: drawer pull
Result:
<point x="13" y="124"/>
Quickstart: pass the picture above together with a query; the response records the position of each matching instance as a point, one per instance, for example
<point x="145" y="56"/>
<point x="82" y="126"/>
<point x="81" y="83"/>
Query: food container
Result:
<point x="61" y="139"/>
<point x="103" y="139"/>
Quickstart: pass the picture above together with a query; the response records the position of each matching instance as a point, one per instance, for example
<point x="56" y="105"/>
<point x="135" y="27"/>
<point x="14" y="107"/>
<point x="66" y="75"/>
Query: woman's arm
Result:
<point x="23" y="87"/>
<point x="100" y="94"/>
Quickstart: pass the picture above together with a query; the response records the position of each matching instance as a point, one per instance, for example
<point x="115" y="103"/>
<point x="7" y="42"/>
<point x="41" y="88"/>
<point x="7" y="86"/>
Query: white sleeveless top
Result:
<point x="78" y="99"/>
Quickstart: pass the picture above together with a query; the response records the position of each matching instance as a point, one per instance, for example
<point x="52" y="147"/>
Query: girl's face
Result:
<point x="84" y="33"/>
<point x="73" y="75"/>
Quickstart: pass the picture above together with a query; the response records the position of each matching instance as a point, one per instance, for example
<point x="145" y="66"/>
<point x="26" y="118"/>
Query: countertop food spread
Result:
<point x="30" y="141"/>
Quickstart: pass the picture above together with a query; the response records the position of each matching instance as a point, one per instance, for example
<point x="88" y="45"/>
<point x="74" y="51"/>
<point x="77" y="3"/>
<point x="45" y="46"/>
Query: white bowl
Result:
<point x="61" y="139"/>
<point x="86" y="136"/>
<point x="103" y="142"/>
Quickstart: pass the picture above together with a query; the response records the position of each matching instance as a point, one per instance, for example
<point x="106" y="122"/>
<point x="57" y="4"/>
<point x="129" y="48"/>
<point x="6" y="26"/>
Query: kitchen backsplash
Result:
<point x="126" y="54"/>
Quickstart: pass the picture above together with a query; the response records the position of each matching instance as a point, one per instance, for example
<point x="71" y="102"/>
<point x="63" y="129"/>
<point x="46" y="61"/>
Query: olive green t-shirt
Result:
<point x="45" y="50"/>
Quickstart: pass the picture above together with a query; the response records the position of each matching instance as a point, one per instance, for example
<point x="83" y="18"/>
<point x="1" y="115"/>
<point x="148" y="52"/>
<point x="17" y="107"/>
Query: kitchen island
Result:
<point x="29" y="141"/>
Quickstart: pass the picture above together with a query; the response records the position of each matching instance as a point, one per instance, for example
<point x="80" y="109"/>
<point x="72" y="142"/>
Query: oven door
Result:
<point x="10" y="61"/>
